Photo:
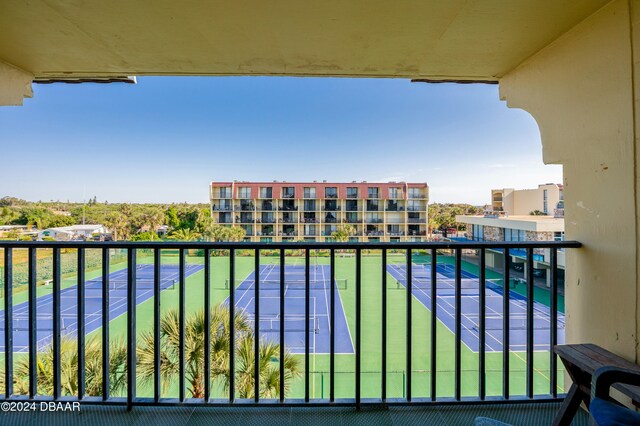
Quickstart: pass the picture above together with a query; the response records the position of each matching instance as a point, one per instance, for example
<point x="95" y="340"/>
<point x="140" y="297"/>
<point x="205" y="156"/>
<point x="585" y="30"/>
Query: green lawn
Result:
<point x="371" y="333"/>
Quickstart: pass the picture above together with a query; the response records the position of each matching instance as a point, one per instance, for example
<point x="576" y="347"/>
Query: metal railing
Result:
<point x="231" y="250"/>
<point x="416" y="220"/>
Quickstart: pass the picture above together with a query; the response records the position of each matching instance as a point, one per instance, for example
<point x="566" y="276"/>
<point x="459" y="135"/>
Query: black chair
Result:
<point x="604" y="410"/>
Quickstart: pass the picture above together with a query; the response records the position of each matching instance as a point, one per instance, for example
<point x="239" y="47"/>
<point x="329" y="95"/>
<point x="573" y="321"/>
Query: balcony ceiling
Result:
<point x="430" y="39"/>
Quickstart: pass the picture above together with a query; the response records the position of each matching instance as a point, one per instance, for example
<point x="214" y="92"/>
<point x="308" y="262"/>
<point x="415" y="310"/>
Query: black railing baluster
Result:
<point x="207" y="324"/>
<point x="383" y="387"/>
<point x="8" y="321"/>
<point x="256" y="348"/>
<point x="458" y="326"/>
<point x="81" y="322"/>
<point x="553" y="294"/>
<point x="105" y="324"/>
<point x="530" y="323"/>
<point x="505" y="323"/>
<point x="307" y="298"/>
<point x="282" y="323"/>
<point x="131" y="326"/>
<point x="156" y="324"/>
<point x="181" y="319"/>
<point x="408" y="329"/>
<point x="56" y="322"/>
<point x="33" y="331"/>
<point x="232" y="325"/>
<point x="482" y="283"/>
<point x="12" y="322"/>
<point x="434" y="321"/>
<point x="332" y="320"/>
<point x="358" y="324"/>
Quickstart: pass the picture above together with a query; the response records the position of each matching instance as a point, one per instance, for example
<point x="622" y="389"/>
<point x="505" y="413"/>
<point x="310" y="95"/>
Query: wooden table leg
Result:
<point x="569" y="406"/>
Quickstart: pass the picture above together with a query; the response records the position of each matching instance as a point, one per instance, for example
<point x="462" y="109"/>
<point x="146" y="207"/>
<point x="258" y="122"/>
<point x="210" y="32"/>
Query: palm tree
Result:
<point x="236" y="233"/>
<point x="219" y="350"/>
<point x="153" y="218"/>
<point x="269" y="370"/>
<point x="116" y="222"/>
<point x="184" y="234"/>
<point x="344" y="232"/>
<point x="69" y="368"/>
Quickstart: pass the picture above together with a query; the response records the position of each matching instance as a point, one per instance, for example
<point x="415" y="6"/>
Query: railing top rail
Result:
<point x="293" y="244"/>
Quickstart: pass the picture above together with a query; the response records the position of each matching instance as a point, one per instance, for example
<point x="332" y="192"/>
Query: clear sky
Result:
<point x="165" y="138"/>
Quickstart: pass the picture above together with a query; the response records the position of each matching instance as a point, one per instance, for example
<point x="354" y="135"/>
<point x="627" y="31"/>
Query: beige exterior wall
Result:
<point x="581" y="90"/>
<point x="524" y="201"/>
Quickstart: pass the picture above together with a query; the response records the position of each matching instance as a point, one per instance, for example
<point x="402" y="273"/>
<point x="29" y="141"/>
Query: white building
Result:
<point x="547" y="198"/>
<point x="73" y="232"/>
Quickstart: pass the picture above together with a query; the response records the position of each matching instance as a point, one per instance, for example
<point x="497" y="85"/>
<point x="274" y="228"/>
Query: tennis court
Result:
<point x="93" y="304"/>
<point x="470" y="312"/>
<point x="294" y="317"/>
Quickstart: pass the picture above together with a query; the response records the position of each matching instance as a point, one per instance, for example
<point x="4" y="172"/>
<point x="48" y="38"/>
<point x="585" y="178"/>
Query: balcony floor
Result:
<point x="515" y="414"/>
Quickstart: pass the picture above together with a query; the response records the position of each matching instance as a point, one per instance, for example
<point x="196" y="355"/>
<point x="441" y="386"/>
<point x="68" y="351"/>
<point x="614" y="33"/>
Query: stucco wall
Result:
<point x="580" y="91"/>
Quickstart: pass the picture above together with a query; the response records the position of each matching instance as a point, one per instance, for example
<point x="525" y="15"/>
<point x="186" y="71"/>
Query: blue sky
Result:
<point x="165" y="138"/>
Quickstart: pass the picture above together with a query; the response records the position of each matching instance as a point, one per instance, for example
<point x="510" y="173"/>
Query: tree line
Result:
<point x="185" y="222"/>
<point x="134" y="222"/>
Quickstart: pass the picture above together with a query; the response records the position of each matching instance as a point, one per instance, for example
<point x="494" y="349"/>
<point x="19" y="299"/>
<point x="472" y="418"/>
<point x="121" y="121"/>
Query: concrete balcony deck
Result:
<point x="515" y="414"/>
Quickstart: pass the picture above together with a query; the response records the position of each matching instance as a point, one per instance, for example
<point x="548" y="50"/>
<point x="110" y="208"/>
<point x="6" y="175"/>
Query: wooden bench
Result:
<point x="581" y="361"/>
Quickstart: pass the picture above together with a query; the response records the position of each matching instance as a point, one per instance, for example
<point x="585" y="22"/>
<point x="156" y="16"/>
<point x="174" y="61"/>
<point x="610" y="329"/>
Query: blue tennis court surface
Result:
<point x="93" y="304"/>
<point x="294" y="302"/>
<point x="445" y="291"/>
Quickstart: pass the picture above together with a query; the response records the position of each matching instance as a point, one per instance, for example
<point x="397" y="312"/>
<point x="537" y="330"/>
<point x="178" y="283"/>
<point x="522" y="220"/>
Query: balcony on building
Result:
<point x="331" y="206"/>
<point x="373" y="205"/>
<point x="352" y="206"/>
<point x="394" y="206"/>
<point x="288" y="205"/>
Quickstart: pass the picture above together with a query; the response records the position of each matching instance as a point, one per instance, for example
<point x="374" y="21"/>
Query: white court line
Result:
<point x="344" y="314"/>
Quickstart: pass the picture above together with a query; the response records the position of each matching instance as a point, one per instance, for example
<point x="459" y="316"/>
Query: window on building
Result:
<point x="515" y="234"/>
<point x="544" y="201"/>
<point x="310" y="230"/>
<point x="393" y="193"/>
<point x="225" y="192"/>
<point x="352" y="192"/>
<point x="266" y="192"/>
<point x="352" y="217"/>
<point x="288" y="192"/>
<point x="373" y="192"/>
<point x="413" y="206"/>
<point x="331" y="205"/>
<point x="310" y="205"/>
<point x="328" y="229"/>
<point x="351" y="205"/>
<point x="309" y="192"/>
<point x="414" y="193"/>
<point x="478" y="232"/>
<point x="244" y="192"/>
<point x="331" y="192"/>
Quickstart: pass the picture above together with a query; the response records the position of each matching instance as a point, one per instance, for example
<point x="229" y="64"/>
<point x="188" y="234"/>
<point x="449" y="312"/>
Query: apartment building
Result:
<point x="312" y="211"/>
<point x="547" y="198"/>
